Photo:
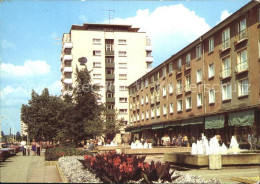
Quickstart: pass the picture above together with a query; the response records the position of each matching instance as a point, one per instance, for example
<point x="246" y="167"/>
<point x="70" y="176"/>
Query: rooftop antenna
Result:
<point x="109" y="14"/>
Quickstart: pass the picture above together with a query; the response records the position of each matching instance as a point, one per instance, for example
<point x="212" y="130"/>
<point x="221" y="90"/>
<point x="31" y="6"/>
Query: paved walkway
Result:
<point x="28" y="169"/>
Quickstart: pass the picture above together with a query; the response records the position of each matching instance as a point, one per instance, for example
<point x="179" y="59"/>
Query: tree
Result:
<point x="18" y="136"/>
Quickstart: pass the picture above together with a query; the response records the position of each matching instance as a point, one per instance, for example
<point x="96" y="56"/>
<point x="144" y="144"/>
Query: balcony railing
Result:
<point x="187" y="66"/>
<point x="110" y="99"/>
<point x="109" y="52"/>
<point x="67" y="45"/>
<point x="110" y="76"/>
<point x="148" y="48"/>
<point x="67" y="57"/>
<point x="225" y="44"/>
<point x="179" y="90"/>
<point x="149" y="59"/>
<point x="158" y="98"/>
<point x="225" y="73"/>
<point x="110" y="88"/>
<point x="188" y="88"/>
<point x="242" y="67"/>
<point x="110" y="65"/>
<point x="137" y="106"/>
<point x="67" y="69"/>
<point x="178" y="70"/>
<point x="67" y="81"/>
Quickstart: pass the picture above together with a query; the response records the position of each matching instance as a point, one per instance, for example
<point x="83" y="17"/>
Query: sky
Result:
<point x="31" y="32"/>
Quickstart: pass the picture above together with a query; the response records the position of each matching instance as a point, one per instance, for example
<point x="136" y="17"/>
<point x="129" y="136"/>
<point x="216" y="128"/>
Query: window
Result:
<point x="96" y="53"/>
<point x="110" y="106"/>
<point x="138" y="117"/>
<point x="134" y="118"/>
<point x="122" y="65"/>
<point x="242" y="61"/>
<point x="242" y="29"/>
<point x="146" y="99"/>
<point x="96" y="76"/>
<point x="122" y="88"/>
<point x="146" y="82"/>
<point x="164" y="72"/>
<point x="199" y="76"/>
<point x="179" y="65"/>
<point x="158" y="111"/>
<point x="96" y="41"/>
<point x="199" y="99"/>
<point x="122" y="42"/>
<point x="171" y="108"/>
<point x="122" y="77"/>
<point x="188" y="103"/>
<point x="123" y="100"/>
<point x="122" y="111"/>
<point x="198" y="52"/>
<point x="152" y="79"/>
<point x="142" y="100"/>
<point x="131" y="106"/>
<point x="211" y="70"/>
<point x="188" y="83"/>
<point x="225" y="39"/>
<point x="212" y="96"/>
<point x="96" y="65"/>
<point x="110" y="71"/>
<point x="142" y="115"/>
<point x="164" y="110"/>
<point x="158" y="76"/>
<point x="179" y="105"/>
<point x="122" y="53"/>
<point x="243" y="87"/>
<point x="152" y="113"/>
<point x="131" y="119"/>
<point x="147" y="114"/>
<point x="109" y="60"/>
<point x="211" y="44"/>
<point x="226" y="92"/>
<point x="179" y="86"/>
<point x="188" y="60"/>
<point x="170" y="88"/>
<point x="164" y="91"/>
<point x="170" y="68"/>
<point x="226" y="70"/>
<point x="110" y="95"/>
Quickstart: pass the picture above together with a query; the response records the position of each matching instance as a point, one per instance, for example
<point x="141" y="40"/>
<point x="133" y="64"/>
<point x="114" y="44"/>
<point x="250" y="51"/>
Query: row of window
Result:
<point x="120" y="53"/>
<point x="99" y="76"/>
<point x="97" y="41"/>
<point x="242" y="65"/>
<point x="242" y="89"/>
<point x="120" y="65"/>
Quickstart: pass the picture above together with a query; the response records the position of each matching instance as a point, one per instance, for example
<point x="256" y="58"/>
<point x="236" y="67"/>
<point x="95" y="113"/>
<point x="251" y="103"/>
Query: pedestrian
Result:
<point x="38" y="148"/>
<point x="167" y="140"/>
<point x="28" y="147"/>
<point x="23" y="144"/>
<point x="34" y="147"/>
<point x="179" y="140"/>
<point x="155" y="140"/>
<point x="185" y="141"/>
<point x="174" y="141"/>
<point x="250" y="139"/>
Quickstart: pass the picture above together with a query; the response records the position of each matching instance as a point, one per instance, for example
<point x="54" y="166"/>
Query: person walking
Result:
<point x="38" y="148"/>
<point x="155" y="140"/>
<point x="179" y="140"/>
<point x="23" y="144"/>
<point x="34" y="147"/>
<point x="28" y="147"/>
<point x="174" y="141"/>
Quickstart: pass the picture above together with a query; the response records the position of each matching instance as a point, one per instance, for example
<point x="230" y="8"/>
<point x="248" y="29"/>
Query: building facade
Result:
<point x="23" y="129"/>
<point x="211" y="86"/>
<point x="111" y="53"/>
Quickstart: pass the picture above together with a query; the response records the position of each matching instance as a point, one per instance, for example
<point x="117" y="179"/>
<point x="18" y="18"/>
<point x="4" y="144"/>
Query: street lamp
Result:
<point x="10" y="122"/>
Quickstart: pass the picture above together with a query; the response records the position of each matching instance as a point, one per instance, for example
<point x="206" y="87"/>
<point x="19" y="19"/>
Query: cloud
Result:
<point x="83" y="18"/>
<point x="224" y="14"/>
<point x="30" y="68"/>
<point x="7" y="45"/>
<point x="170" y="28"/>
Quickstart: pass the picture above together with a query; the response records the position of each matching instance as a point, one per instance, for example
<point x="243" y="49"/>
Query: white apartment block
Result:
<point x="23" y="129"/>
<point x="116" y="55"/>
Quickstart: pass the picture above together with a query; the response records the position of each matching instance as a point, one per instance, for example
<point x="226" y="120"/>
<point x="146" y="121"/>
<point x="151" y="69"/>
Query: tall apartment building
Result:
<point x="211" y="86"/>
<point x="116" y="55"/>
<point x="23" y="129"/>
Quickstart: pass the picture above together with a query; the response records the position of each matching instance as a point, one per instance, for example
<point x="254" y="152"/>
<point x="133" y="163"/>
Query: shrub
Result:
<point x="121" y="168"/>
<point x="53" y="154"/>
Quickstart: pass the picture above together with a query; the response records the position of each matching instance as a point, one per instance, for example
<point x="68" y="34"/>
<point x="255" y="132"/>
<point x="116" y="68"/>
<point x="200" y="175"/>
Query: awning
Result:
<point x="136" y="130"/>
<point x="241" y="118"/>
<point x="146" y="128"/>
<point x="171" y="124"/>
<point x="158" y="126"/>
<point x="214" y="122"/>
<point x="193" y="121"/>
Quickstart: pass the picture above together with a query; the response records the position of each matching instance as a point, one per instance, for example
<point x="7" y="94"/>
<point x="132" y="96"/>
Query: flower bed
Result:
<point x="53" y="154"/>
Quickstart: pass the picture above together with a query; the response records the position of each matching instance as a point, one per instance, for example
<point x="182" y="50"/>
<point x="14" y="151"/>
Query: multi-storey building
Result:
<point x="211" y="86"/>
<point x="23" y="129"/>
<point x="112" y="54"/>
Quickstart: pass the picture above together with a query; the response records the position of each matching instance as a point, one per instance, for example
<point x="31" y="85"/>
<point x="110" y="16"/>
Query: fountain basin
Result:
<point x="203" y="160"/>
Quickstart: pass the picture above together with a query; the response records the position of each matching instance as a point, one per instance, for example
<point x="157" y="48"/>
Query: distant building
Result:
<point x="211" y="86"/>
<point x="23" y="129"/>
<point x="116" y="55"/>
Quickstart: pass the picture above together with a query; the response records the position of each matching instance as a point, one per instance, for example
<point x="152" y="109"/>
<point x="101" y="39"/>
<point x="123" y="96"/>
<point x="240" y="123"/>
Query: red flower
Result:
<point x="146" y="165"/>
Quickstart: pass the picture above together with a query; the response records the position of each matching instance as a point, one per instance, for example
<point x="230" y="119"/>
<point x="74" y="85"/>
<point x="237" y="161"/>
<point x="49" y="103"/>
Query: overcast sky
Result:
<point x="31" y="32"/>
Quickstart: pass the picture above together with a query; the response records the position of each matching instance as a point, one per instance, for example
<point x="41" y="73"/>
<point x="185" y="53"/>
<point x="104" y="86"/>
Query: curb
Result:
<point x="64" y="179"/>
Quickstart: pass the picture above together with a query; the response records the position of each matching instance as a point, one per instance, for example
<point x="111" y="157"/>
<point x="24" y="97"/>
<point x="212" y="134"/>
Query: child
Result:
<point x="28" y="147"/>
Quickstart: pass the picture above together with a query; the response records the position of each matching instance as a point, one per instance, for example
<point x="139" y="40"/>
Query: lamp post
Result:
<point x="11" y="125"/>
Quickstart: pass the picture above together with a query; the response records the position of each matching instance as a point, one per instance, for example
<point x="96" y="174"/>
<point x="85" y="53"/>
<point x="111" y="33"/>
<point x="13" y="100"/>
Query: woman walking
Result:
<point x="34" y="147"/>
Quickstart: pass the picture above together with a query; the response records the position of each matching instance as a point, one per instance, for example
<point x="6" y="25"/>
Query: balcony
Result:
<point x="187" y="88"/>
<point x="187" y="65"/>
<point x="242" y="67"/>
<point x="225" y="73"/>
<point x="67" y="69"/>
<point x="110" y="111"/>
<point x="179" y="91"/>
<point x="152" y="100"/>
<point x="225" y="45"/>
<point x="137" y="106"/>
<point x="110" y="88"/>
<point x="158" y="98"/>
<point x="178" y="70"/>
<point x="110" y="99"/>
<point x="110" y="65"/>
<point x="134" y="107"/>
<point x="109" y="53"/>
<point x="148" y="48"/>
<point x="149" y="59"/>
<point x="241" y="36"/>
<point x="67" y="81"/>
<point x="67" y="57"/>
<point x="110" y="76"/>
<point x="67" y="45"/>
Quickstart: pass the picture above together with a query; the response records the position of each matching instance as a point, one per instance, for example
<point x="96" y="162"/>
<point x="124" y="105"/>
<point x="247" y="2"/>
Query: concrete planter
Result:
<point x="64" y="179"/>
<point x="48" y="163"/>
<point x="215" y="161"/>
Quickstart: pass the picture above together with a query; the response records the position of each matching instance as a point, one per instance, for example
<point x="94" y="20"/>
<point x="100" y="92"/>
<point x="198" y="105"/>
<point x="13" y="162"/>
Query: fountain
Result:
<point x="139" y="145"/>
<point x="203" y="149"/>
